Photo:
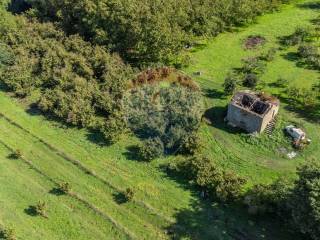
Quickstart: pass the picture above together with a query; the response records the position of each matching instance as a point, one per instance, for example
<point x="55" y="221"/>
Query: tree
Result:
<point x="230" y="84"/>
<point x="169" y="113"/>
<point x="251" y="80"/>
<point x="305" y="201"/>
<point x="151" y="148"/>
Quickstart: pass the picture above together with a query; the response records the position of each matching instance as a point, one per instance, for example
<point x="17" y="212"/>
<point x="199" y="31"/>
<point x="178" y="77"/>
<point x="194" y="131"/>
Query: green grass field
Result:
<point x="259" y="159"/>
<point x="54" y="153"/>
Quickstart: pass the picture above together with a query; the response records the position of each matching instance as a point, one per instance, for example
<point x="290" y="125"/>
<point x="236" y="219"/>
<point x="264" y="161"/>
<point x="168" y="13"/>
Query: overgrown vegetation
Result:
<point x="145" y="32"/>
<point x="84" y="85"/>
<point x="164" y="116"/>
<point x="224" y="186"/>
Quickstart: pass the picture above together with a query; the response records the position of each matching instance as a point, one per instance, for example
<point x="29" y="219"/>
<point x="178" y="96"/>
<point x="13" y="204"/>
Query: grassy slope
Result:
<point x="260" y="160"/>
<point x="160" y="201"/>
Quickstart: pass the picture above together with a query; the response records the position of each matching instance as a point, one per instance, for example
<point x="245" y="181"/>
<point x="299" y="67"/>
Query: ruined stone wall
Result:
<point x="244" y="119"/>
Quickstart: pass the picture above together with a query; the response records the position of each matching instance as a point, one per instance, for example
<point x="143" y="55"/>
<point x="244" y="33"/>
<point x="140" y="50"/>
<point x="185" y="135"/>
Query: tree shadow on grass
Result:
<point x="310" y="5"/>
<point x="213" y="93"/>
<point x="31" y="211"/>
<point x="206" y="219"/>
<point x="119" y="198"/>
<point x="294" y="57"/>
<point x="57" y="192"/>
<point x="93" y="135"/>
<point x="97" y="137"/>
<point x="34" y="111"/>
<point x="132" y="153"/>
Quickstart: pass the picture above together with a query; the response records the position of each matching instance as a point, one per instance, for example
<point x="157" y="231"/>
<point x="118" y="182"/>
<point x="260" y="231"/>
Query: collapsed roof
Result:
<point x="253" y="102"/>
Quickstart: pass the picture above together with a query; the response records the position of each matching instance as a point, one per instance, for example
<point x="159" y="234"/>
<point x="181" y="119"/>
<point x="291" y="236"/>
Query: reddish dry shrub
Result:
<point x="159" y="74"/>
<point x="253" y="42"/>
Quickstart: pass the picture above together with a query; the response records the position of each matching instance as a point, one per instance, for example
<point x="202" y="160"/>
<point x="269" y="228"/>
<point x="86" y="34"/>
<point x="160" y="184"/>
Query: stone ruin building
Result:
<point x="252" y="112"/>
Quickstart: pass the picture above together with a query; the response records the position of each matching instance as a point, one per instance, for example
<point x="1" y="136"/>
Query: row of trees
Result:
<point x="149" y="31"/>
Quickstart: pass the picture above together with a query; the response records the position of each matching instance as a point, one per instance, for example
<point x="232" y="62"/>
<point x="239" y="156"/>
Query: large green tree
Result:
<point x="169" y="113"/>
<point x="305" y="201"/>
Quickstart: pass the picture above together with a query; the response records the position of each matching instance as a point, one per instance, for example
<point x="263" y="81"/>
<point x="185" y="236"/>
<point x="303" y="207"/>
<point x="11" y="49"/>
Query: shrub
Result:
<point x="64" y="188"/>
<point x="151" y="148"/>
<point x="7" y="234"/>
<point x="229" y="187"/>
<point x="306" y="51"/>
<point x="191" y="144"/>
<point x="252" y="65"/>
<point x="17" y="154"/>
<point x="254" y="41"/>
<point x="170" y="113"/>
<point x="230" y="84"/>
<point x="41" y="209"/>
<point x="128" y="194"/>
<point x="220" y="184"/>
<point x="114" y="127"/>
<point x="251" y="80"/>
<point x="269" y="55"/>
<point x="299" y="36"/>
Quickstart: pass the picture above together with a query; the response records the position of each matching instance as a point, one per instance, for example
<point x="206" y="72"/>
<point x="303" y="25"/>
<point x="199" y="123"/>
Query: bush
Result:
<point x="40" y="209"/>
<point x="64" y="188"/>
<point x="114" y="127"/>
<point x="7" y="234"/>
<point x="151" y="148"/>
<point x="251" y="80"/>
<point x="222" y="185"/>
<point x="299" y="36"/>
<point x="269" y="55"/>
<point x="17" y="154"/>
<point x="252" y="65"/>
<point x="230" y="84"/>
<point x="229" y="187"/>
<point x="306" y="51"/>
<point x="128" y="194"/>
<point x="191" y="144"/>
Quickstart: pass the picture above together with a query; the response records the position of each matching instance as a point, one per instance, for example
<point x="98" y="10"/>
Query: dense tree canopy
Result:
<point x="73" y="79"/>
<point x="169" y="113"/>
<point x="305" y="202"/>
<point x="149" y="31"/>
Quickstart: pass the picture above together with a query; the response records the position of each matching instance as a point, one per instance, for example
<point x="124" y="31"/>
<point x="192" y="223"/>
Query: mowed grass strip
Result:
<point x="72" y="194"/>
<point x="22" y="186"/>
<point x="93" y="191"/>
<point x="86" y="170"/>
